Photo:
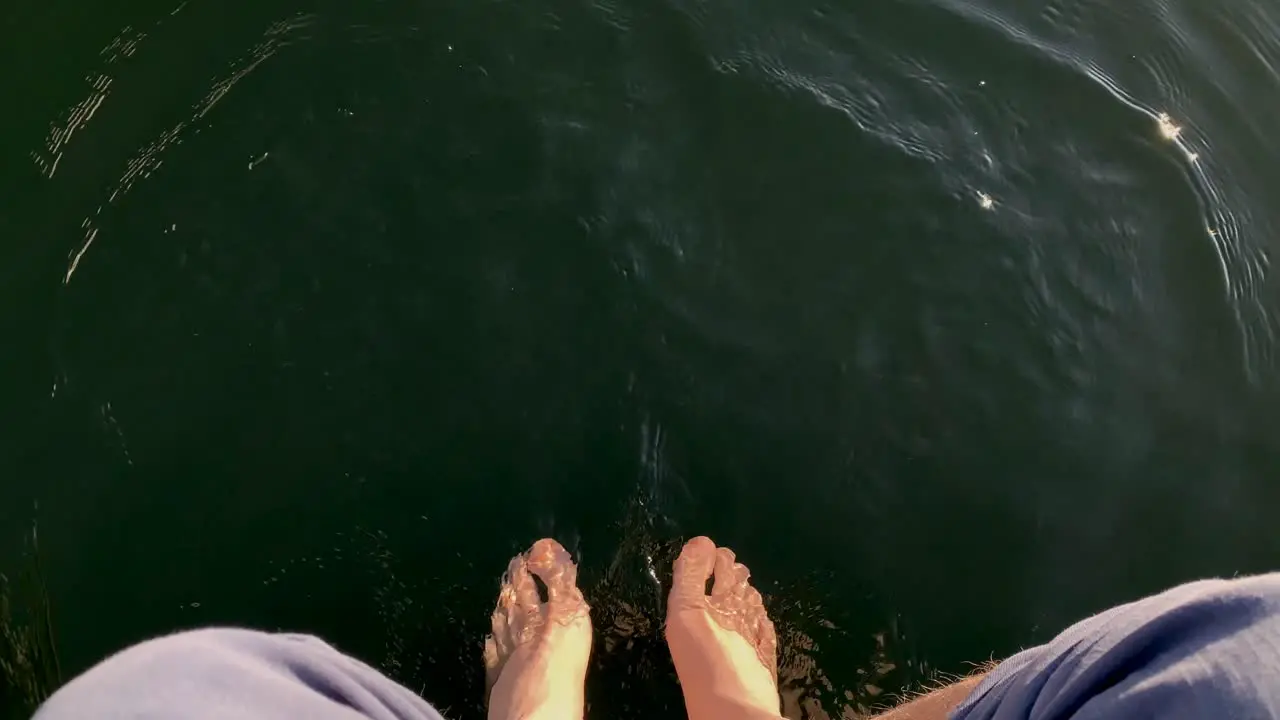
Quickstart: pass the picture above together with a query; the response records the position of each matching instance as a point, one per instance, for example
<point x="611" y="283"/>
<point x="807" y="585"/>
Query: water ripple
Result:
<point x="150" y="157"/>
<point x="1069" y="33"/>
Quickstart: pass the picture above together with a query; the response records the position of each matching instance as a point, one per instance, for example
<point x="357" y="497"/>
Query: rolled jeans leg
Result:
<point x="230" y="673"/>
<point x="1207" y="650"/>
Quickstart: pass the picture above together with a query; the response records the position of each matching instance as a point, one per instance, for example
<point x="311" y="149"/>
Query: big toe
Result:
<point x="689" y="575"/>
<point x="552" y="564"/>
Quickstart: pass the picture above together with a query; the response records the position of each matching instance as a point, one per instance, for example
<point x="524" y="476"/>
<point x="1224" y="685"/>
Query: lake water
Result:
<point x="956" y="319"/>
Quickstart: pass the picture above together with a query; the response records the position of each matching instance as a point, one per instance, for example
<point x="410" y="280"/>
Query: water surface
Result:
<point x="955" y="319"/>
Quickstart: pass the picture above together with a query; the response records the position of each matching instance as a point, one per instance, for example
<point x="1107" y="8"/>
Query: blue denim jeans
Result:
<point x="1210" y="649"/>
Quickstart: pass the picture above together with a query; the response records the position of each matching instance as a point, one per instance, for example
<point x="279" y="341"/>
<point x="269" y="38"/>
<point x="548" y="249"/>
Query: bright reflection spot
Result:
<point x="1168" y="129"/>
<point x="985" y="201"/>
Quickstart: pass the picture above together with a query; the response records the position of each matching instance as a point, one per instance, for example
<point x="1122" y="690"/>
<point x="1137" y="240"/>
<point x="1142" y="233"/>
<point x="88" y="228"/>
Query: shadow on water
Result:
<point x="29" y="666"/>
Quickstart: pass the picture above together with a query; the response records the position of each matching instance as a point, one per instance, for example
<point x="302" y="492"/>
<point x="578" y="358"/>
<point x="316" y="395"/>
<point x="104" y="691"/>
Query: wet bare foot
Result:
<point x="536" y="659"/>
<point x="723" y="644"/>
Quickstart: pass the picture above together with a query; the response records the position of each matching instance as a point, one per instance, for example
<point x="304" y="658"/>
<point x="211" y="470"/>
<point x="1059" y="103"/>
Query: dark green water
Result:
<point x="313" y="313"/>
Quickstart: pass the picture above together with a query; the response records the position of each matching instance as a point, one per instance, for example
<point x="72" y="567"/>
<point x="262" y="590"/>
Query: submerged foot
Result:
<point x="723" y="644"/>
<point x="536" y="659"/>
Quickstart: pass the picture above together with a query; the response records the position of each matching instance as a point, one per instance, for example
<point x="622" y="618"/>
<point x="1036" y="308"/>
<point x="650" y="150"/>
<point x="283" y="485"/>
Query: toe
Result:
<point x="493" y="658"/>
<point x="518" y="603"/>
<point x="766" y="642"/>
<point x="758" y="623"/>
<point x="692" y="568"/>
<point x="524" y="590"/>
<point x="731" y="576"/>
<point x="500" y="627"/>
<point x="552" y="564"/>
<point x="547" y="553"/>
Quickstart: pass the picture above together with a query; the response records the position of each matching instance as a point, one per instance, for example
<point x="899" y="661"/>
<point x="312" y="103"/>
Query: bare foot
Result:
<point x="723" y="644"/>
<point x="536" y="659"/>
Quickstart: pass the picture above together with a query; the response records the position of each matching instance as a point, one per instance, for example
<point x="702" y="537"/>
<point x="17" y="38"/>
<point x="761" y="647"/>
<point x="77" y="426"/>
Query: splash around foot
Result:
<point x="536" y="657"/>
